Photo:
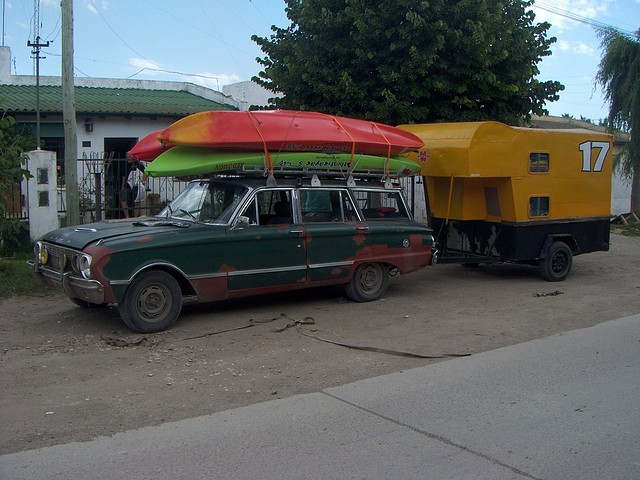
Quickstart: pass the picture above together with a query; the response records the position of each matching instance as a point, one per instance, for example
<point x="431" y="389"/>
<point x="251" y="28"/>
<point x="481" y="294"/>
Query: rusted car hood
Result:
<point x="80" y="236"/>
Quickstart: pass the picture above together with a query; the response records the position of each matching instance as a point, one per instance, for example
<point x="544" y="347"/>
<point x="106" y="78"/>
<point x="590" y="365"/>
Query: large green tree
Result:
<point x="619" y="74"/>
<point x="400" y="61"/>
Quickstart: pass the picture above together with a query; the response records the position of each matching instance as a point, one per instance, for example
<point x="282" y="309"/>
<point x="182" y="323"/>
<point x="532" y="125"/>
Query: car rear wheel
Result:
<point x="557" y="264"/>
<point x="152" y="303"/>
<point x="369" y="282"/>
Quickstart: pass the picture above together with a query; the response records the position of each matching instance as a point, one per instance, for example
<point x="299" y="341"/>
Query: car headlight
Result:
<point x="84" y="265"/>
<point x="42" y="254"/>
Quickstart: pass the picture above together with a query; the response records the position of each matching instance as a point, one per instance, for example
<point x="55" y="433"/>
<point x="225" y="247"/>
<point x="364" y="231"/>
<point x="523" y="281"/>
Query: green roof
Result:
<point x="15" y="99"/>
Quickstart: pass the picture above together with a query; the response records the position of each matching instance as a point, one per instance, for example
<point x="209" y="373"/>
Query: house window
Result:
<point x="538" y="162"/>
<point x="539" y="206"/>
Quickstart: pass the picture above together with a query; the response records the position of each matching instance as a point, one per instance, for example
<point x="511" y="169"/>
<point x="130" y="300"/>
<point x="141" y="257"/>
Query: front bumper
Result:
<point x="74" y="286"/>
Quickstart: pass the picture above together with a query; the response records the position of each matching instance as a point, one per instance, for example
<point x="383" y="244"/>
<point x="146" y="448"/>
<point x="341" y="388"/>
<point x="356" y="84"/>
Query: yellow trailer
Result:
<point x="510" y="194"/>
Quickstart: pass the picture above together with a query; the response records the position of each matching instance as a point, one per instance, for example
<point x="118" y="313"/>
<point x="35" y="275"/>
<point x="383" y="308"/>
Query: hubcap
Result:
<point x="153" y="303"/>
<point x="559" y="262"/>
<point x="370" y="278"/>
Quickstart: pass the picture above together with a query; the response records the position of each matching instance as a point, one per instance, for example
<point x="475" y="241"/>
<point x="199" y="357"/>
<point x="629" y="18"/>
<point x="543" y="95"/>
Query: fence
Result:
<point x="100" y="197"/>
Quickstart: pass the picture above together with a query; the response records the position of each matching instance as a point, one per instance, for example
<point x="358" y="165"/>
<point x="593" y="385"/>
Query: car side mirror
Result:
<point x="241" y="222"/>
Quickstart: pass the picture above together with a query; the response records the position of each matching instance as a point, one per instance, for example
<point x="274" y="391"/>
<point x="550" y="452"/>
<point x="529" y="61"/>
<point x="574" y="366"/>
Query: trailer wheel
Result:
<point x="152" y="302"/>
<point x="557" y="264"/>
<point x="369" y="282"/>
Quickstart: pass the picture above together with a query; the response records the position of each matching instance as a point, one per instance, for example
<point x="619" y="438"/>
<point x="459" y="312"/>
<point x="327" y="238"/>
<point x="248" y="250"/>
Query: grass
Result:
<point x="631" y="229"/>
<point x="16" y="278"/>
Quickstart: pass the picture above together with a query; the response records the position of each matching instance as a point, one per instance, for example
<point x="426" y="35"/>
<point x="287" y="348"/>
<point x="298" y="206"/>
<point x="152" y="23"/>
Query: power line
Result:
<point x="162" y="70"/>
<point x="117" y="35"/>
<point x="579" y="18"/>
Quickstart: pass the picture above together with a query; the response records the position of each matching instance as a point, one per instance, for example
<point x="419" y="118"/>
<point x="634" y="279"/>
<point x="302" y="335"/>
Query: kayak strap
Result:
<point x="267" y="156"/>
<point x="353" y="143"/>
<point x="386" y="163"/>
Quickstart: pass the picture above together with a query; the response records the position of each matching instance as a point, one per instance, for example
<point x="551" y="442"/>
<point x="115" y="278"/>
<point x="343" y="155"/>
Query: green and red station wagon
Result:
<point x="233" y="236"/>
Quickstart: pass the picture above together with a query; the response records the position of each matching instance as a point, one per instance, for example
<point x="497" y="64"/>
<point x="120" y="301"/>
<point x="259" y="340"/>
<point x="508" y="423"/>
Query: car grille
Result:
<point x="60" y="258"/>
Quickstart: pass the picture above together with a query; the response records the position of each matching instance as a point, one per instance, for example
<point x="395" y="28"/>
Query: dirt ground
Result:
<point x="69" y="374"/>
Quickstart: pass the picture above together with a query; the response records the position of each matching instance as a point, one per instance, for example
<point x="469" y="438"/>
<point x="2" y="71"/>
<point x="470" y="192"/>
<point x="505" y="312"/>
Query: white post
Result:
<point x="42" y="193"/>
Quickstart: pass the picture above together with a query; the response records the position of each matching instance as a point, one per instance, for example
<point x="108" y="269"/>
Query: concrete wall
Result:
<point x="248" y="93"/>
<point x="42" y="193"/>
<point x="620" y="194"/>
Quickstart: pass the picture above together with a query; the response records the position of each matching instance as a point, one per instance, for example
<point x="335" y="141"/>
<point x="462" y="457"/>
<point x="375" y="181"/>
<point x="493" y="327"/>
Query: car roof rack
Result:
<point x="316" y="175"/>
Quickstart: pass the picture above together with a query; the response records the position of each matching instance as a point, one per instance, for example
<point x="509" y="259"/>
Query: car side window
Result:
<point x="270" y="207"/>
<point x="277" y="206"/>
<point x="381" y="204"/>
<point x="252" y="212"/>
<point x="320" y="205"/>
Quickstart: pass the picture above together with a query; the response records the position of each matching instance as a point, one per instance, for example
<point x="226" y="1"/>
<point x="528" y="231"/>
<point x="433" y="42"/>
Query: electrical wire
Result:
<point x="118" y="35"/>
<point x="579" y="18"/>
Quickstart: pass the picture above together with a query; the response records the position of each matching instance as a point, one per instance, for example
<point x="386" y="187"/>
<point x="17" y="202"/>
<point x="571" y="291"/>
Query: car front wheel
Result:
<point x="152" y="303"/>
<point x="369" y="282"/>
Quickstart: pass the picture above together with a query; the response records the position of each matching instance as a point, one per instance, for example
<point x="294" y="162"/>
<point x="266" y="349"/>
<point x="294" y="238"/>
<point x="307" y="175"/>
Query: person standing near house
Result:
<point x="136" y="180"/>
<point x="125" y="199"/>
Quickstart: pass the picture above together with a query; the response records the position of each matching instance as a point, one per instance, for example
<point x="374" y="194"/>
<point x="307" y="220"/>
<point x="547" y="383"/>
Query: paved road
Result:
<point x="565" y="407"/>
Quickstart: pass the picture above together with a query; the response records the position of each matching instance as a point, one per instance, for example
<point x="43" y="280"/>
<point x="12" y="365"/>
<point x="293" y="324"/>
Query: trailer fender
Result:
<point x="559" y="237"/>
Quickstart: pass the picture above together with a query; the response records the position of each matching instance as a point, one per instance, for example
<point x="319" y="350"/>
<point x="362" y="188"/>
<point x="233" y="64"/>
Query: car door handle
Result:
<point x="297" y="232"/>
<point x="362" y="229"/>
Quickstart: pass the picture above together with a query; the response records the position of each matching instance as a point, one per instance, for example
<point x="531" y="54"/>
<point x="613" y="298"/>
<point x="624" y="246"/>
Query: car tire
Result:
<point x="369" y="282"/>
<point x="152" y="303"/>
<point x="557" y="264"/>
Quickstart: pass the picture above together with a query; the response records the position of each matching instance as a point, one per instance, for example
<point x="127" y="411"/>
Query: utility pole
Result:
<point x="69" y="116"/>
<point x="36" y="52"/>
<point x="4" y="5"/>
<point x="37" y="45"/>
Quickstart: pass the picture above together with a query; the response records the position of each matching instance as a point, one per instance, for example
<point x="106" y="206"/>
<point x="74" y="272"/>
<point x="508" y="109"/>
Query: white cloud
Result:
<point x="577" y="48"/>
<point x="91" y="6"/>
<point x="581" y="48"/>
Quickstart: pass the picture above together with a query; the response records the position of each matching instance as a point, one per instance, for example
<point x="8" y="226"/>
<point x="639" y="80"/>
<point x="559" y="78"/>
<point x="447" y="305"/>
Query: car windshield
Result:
<point x="208" y="202"/>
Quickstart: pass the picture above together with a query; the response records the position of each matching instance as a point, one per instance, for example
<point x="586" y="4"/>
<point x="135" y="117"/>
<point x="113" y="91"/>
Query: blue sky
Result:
<point x="209" y="41"/>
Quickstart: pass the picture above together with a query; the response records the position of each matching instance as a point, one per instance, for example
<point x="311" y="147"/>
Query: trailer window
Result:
<point x="539" y="206"/>
<point x="538" y="162"/>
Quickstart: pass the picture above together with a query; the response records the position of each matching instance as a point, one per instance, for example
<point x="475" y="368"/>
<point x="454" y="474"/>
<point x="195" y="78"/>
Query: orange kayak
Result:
<point x="148" y="148"/>
<point x="288" y="131"/>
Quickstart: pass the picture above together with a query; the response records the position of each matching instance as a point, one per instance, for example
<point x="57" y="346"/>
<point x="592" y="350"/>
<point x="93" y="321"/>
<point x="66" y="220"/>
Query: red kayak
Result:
<point x="148" y="148"/>
<point x="287" y="131"/>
